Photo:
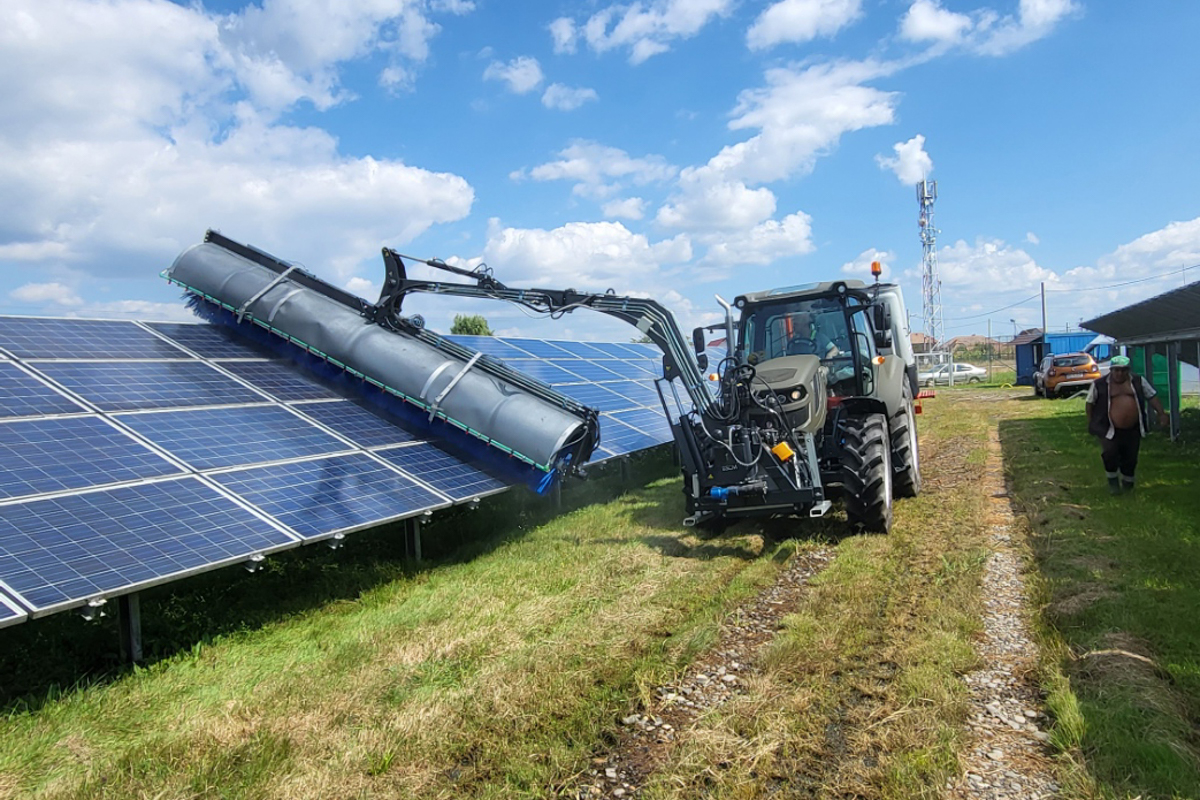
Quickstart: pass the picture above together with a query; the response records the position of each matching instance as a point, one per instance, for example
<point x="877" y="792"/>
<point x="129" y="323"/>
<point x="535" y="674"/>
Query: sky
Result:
<point x="677" y="149"/>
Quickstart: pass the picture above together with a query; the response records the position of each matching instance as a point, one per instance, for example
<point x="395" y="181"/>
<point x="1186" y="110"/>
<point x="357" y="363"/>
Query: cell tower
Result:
<point x="931" y="284"/>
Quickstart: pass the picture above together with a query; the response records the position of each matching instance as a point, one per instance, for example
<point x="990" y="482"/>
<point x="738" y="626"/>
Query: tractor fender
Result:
<point x="890" y="377"/>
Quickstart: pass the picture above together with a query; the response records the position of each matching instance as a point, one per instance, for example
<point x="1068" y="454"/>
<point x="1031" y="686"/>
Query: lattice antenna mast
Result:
<point x="931" y="294"/>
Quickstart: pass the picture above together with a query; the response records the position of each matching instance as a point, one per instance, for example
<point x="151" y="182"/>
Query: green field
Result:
<point x="503" y="664"/>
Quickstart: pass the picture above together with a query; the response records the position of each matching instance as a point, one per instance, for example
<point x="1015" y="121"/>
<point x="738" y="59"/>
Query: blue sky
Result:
<point x="671" y="148"/>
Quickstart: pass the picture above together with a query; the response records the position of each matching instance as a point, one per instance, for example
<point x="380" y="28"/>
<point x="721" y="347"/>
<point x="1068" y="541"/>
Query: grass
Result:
<point x="501" y="666"/>
<point x="1121" y="593"/>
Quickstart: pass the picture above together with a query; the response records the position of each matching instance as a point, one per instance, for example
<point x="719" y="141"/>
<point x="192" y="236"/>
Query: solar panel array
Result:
<point x="137" y="453"/>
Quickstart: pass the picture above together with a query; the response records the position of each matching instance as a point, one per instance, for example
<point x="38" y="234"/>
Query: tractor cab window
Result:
<point x="794" y="329"/>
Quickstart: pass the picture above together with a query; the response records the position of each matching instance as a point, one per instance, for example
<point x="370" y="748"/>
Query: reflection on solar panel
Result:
<point x="78" y="338"/>
<point x="129" y="385"/>
<point x="278" y="380"/>
<point x="324" y="496"/>
<point x="127" y="461"/>
<point x="356" y="423"/>
<point x="226" y="437"/>
<point x="53" y="455"/>
<point x="443" y="471"/>
<point x="59" y="551"/>
<point x="22" y="395"/>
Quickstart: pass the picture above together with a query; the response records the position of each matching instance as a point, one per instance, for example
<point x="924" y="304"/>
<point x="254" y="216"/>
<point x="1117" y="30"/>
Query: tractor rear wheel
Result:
<point x="906" y="454"/>
<point x="867" y="473"/>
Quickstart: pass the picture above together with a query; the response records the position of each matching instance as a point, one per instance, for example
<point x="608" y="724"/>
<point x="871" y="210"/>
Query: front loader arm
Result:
<point x="645" y="314"/>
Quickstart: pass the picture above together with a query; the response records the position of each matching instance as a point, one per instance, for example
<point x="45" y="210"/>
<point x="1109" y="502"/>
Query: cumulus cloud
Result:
<point x="704" y="204"/>
<point x="860" y="267"/>
<point x="587" y="255"/>
<point x="125" y="146"/>
<point x="759" y="245"/>
<point x="801" y="114"/>
<point x="798" y="21"/>
<point x="46" y="294"/>
<point x="566" y="98"/>
<point x="522" y="74"/>
<point x="600" y="171"/>
<point x="911" y="163"/>
<point x="633" y="208"/>
<point x="984" y="31"/>
<point x="645" y="28"/>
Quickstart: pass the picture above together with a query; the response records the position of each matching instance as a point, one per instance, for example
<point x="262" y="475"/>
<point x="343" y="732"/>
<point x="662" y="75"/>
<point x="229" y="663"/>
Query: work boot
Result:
<point x="1114" y="485"/>
<point x="1127" y="486"/>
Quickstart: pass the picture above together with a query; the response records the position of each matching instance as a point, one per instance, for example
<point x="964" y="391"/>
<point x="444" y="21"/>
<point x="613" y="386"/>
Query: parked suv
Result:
<point x="1064" y="373"/>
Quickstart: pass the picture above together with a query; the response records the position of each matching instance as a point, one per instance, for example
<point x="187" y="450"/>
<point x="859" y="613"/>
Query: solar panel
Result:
<point x="53" y="455"/>
<point x="209" y="438"/>
<point x="490" y="345"/>
<point x="207" y="341"/>
<point x="540" y="349"/>
<point x="279" y="380"/>
<point x="324" y="496"/>
<point x="22" y="395"/>
<point x="55" y="552"/>
<point x="586" y="370"/>
<point x="640" y="393"/>
<point x="10" y="612"/>
<point x="620" y="439"/>
<point x="626" y="369"/>
<point x="29" y="337"/>
<point x="443" y="471"/>
<point x="580" y="349"/>
<point x="131" y="385"/>
<point x="357" y="424"/>
<point x="596" y="396"/>
<point x="648" y="420"/>
<point x="544" y="371"/>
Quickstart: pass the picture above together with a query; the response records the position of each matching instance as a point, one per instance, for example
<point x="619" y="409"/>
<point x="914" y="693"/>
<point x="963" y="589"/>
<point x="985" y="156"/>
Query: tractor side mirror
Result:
<point x="702" y="361"/>
<point x="883" y="338"/>
<point x="881" y="317"/>
<point x="698" y="341"/>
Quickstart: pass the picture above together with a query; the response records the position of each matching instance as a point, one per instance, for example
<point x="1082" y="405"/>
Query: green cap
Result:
<point x="1120" y="361"/>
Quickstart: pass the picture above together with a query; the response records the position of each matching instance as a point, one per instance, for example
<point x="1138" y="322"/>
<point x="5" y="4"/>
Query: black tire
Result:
<point x="929" y="382"/>
<point x="906" y="452"/>
<point x="867" y="473"/>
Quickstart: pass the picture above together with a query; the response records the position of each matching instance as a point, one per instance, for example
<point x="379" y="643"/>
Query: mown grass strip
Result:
<point x="861" y="694"/>
<point x="1121" y="592"/>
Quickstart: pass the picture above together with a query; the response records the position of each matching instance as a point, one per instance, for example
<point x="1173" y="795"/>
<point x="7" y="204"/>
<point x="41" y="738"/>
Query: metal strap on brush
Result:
<point x="241" y="312"/>
<point x="437" y="401"/>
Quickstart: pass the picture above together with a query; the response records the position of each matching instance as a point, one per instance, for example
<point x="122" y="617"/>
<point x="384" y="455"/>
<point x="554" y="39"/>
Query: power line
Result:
<point x="1128" y="283"/>
<point x="995" y="311"/>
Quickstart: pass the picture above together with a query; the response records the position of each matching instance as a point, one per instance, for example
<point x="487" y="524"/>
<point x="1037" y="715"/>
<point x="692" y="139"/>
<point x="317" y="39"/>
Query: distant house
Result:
<point x="921" y="342"/>
<point x="972" y="342"/>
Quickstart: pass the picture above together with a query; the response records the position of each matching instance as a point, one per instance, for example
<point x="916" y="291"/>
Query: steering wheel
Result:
<point x="801" y="347"/>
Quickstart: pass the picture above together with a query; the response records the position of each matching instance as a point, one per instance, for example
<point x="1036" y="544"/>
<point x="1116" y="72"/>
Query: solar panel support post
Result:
<point x="412" y="537"/>
<point x="129" y="627"/>
<point x="626" y="471"/>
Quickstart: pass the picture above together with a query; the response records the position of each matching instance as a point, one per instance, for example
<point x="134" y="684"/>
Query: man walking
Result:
<point x="1116" y="412"/>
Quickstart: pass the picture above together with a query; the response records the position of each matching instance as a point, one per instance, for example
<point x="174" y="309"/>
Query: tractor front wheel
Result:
<point x="867" y="473"/>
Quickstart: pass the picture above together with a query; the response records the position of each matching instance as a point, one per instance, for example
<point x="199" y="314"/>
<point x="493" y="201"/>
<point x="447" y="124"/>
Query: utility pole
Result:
<point x="1044" y="331"/>
<point x="989" y="346"/>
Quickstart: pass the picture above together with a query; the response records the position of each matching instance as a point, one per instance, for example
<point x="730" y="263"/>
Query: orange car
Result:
<point x="1065" y="373"/>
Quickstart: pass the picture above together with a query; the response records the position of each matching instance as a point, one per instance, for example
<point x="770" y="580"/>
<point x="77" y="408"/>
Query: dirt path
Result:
<point x="1006" y="755"/>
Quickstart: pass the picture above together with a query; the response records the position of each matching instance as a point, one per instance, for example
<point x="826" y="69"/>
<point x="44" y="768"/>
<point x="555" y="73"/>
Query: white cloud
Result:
<point x="1032" y="238"/>
<point x="984" y="31"/>
<point x="800" y="114"/>
<point x="759" y="245"/>
<point x="927" y="21"/>
<point x="629" y="208"/>
<point x="564" y="34"/>
<point x="600" y="171"/>
<point x="911" y="163"/>
<point x="566" y="98"/>
<point x="704" y="204"/>
<point x="125" y="146"/>
<point x="646" y="28"/>
<point x="860" y="267"/>
<point x="586" y="255"/>
<point x="989" y="263"/>
<point x="801" y="21"/>
<point x="522" y="74"/>
<point x="46" y="293"/>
